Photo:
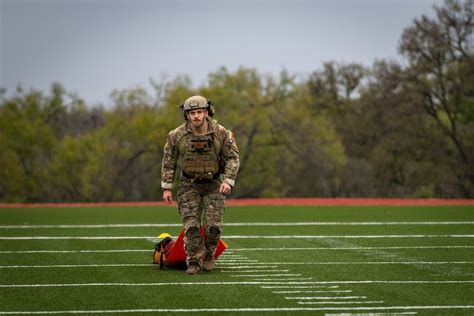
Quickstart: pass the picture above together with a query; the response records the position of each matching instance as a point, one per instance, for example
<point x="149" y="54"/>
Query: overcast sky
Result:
<point x="95" y="46"/>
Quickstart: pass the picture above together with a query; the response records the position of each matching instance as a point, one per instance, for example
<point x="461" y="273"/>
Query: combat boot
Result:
<point x="193" y="268"/>
<point x="208" y="264"/>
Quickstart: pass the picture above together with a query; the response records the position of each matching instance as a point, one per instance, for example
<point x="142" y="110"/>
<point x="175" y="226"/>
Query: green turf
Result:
<point x="420" y="269"/>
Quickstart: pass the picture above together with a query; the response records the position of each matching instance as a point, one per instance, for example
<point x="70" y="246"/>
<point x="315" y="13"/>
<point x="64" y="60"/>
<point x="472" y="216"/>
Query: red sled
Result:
<point x="171" y="253"/>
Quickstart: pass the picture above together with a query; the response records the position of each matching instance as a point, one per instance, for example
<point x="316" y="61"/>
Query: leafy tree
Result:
<point x="126" y="153"/>
<point x="27" y="139"/>
<point x="244" y="102"/>
<point x="275" y="128"/>
<point x="395" y="138"/>
<point x="335" y="86"/>
<point x="442" y="71"/>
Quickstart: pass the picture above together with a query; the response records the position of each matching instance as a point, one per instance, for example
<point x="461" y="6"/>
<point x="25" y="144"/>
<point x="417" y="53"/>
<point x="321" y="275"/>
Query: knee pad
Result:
<point x="214" y="230"/>
<point x="192" y="231"/>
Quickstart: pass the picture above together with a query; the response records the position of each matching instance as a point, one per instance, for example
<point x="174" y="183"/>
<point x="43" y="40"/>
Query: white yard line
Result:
<point x="76" y="238"/>
<point x="372" y="314"/>
<point x="312" y="291"/>
<point x="90" y="226"/>
<point x="300" y="287"/>
<point x="266" y="284"/>
<point x="359" y="263"/>
<point x="218" y="264"/>
<point x="238" y="260"/>
<point x="351" y="248"/>
<point x="323" y="297"/>
<point x="77" y="266"/>
<point x="244" y="267"/>
<point x="29" y="238"/>
<point x="255" y="271"/>
<point x="267" y="275"/>
<point x="282" y="279"/>
<point x="225" y="255"/>
<point x="343" y="236"/>
<point x="250" y="309"/>
<point x="242" y="224"/>
<point x="353" y="223"/>
<point x="76" y="251"/>
<point x="340" y="303"/>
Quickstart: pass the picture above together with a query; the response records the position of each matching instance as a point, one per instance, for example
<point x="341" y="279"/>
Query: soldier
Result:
<point x="208" y="156"/>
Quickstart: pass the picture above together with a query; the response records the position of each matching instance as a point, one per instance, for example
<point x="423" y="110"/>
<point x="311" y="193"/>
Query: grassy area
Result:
<point x="281" y="260"/>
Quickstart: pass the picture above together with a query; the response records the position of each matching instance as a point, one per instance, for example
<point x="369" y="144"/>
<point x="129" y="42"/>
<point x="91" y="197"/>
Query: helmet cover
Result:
<point x="195" y="102"/>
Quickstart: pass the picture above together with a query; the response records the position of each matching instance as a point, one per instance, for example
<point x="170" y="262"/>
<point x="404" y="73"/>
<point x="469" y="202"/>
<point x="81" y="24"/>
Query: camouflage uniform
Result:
<point x="205" y="162"/>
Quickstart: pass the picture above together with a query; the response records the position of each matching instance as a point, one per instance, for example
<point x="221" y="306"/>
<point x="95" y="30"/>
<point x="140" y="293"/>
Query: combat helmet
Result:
<point x="197" y="102"/>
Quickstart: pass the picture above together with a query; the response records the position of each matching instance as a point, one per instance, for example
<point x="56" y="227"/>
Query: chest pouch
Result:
<point x="200" y="160"/>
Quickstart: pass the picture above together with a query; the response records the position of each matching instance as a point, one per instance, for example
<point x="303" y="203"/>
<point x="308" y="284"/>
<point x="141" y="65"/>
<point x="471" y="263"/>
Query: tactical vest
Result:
<point x="201" y="156"/>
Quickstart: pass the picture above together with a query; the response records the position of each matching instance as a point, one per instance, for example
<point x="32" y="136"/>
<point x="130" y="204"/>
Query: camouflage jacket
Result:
<point x="175" y="149"/>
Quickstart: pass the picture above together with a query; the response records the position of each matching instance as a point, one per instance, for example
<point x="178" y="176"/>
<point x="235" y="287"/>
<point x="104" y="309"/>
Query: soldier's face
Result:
<point x="197" y="117"/>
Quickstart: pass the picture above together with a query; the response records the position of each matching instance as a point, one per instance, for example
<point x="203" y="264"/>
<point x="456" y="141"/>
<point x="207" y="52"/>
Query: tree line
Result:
<point x="389" y="130"/>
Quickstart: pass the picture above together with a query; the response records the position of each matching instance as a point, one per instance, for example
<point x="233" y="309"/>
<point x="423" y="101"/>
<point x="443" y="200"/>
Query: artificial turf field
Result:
<point x="318" y="260"/>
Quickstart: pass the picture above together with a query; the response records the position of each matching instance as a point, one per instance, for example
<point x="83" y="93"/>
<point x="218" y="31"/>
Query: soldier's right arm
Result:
<point x="169" y="162"/>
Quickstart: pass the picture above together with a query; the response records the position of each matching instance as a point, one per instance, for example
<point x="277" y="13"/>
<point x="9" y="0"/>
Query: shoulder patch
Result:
<point x="230" y="142"/>
<point x="230" y="137"/>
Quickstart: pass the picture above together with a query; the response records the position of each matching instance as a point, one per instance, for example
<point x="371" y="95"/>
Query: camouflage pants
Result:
<point x="196" y="201"/>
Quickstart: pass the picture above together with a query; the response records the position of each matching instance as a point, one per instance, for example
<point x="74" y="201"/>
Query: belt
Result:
<point x="200" y="180"/>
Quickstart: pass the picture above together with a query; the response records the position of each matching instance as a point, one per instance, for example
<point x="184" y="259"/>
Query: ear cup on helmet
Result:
<point x="210" y="108"/>
<point x="181" y="107"/>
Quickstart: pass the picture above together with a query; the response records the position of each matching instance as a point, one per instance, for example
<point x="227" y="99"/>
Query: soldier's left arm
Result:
<point x="231" y="155"/>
